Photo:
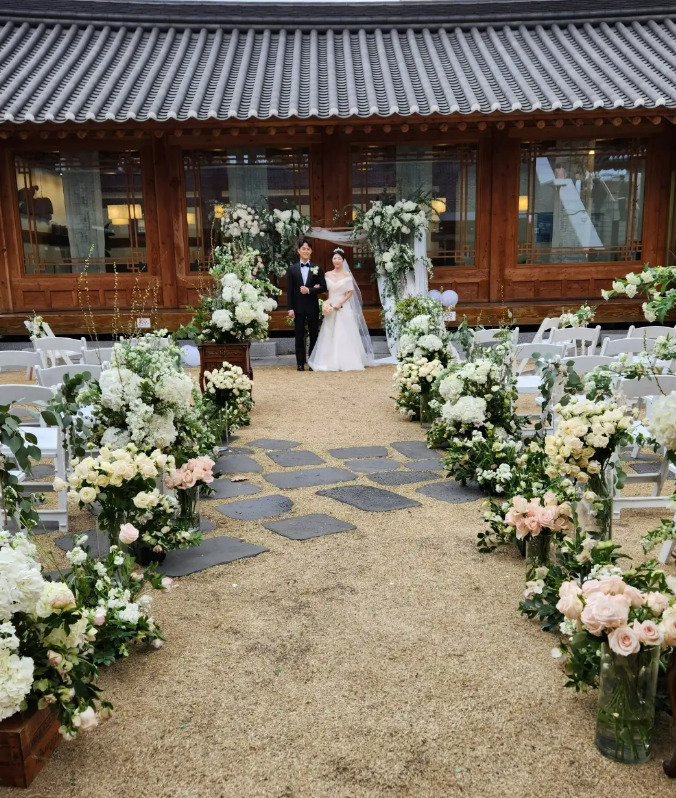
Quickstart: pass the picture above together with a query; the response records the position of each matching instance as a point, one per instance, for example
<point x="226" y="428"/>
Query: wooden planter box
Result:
<point x="27" y="740"/>
<point x="213" y="355"/>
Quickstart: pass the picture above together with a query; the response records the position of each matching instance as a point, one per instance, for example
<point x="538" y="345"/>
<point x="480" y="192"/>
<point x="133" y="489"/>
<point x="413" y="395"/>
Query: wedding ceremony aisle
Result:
<point x="388" y="659"/>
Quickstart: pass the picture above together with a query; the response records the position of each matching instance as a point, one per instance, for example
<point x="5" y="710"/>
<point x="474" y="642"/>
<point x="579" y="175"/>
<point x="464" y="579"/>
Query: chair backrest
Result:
<point x="55" y="374"/>
<point x="626" y="346"/>
<point x="97" y="357"/>
<point x="45" y="326"/>
<point x="483" y="337"/>
<point x="586" y="363"/>
<point x="653" y="331"/>
<point x="19" y="358"/>
<point x="25" y="395"/>
<point x="526" y="352"/>
<point x="548" y="324"/>
<point x="644" y="387"/>
<point x="582" y="340"/>
<point x="51" y="350"/>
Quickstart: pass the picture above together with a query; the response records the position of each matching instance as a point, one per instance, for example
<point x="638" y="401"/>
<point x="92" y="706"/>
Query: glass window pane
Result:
<point x="274" y="178"/>
<point x="447" y="172"/>
<point x="581" y="201"/>
<point x="81" y="209"/>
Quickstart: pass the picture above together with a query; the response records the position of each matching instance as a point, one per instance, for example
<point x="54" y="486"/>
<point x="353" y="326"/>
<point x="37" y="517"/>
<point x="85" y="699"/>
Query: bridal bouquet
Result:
<point x="227" y="392"/>
<point x="45" y="643"/>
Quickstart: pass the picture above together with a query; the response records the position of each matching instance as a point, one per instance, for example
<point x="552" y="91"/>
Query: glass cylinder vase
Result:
<point x="426" y="412"/>
<point x="188" y="517"/>
<point x="626" y="710"/>
<point x="538" y="552"/>
<point x="596" y="516"/>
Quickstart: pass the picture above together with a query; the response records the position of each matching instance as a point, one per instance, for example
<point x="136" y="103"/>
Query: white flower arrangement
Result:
<point x="662" y="421"/>
<point x="656" y="283"/>
<point x="578" y="318"/>
<point x="227" y="391"/>
<point x="239" y="221"/>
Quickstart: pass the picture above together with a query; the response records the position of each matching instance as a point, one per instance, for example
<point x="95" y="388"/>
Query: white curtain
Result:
<point x="248" y="183"/>
<point x="84" y="208"/>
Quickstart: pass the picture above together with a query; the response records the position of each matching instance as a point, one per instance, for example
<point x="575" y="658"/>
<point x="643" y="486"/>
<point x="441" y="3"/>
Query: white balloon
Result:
<point x="449" y="299"/>
<point x="190" y="356"/>
<point x="434" y="294"/>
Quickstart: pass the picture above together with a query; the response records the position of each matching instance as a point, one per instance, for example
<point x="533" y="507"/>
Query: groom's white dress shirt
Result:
<point x="304" y="270"/>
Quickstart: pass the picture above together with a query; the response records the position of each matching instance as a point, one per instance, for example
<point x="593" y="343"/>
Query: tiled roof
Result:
<point x="144" y="70"/>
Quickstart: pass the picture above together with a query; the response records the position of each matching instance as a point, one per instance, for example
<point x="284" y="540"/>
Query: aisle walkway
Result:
<point x="388" y="659"/>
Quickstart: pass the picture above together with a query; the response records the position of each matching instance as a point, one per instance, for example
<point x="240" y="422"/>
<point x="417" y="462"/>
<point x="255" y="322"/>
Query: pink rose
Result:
<point x="570" y="603"/>
<point x="635" y="597"/>
<point x="546" y="517"/>
<point x="522" y="528"/>
<point x="512" y="518"/>
<point x="604" y="612"/>
<point x="624" y="641"/>
<point x="54" y="658"/>
<point x="549" y="498"/>
<point x="520" y="504"/>
<point x="99" y="617"/>
<point x="65" y="600"/>
<point x="591" y="586"/>
<point x="189" y="480"/>
<point x="648" y="633"/>
<point x="533" y="525"/>
<point x="612" y="585"/>
<point x="168" y="583"/>
<point x="657" y="602"/>
<point x="128" y="533"/>
<point x="157" y="643"/>
<point x="668" y="627"/>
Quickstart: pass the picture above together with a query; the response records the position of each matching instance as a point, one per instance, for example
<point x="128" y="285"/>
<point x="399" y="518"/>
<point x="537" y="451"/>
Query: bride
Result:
<point x="344" y="343"/>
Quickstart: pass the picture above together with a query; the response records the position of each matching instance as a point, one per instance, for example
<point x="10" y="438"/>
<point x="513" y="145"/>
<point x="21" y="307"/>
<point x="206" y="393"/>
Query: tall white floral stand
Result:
<point x="415" y="284"/>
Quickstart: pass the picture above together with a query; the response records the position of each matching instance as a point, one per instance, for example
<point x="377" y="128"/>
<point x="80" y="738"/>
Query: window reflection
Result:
<point x="581" y="201"/>
<point x="81" y="210"/>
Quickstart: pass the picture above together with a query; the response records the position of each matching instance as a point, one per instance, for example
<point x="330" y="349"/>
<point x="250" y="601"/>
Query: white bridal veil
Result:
<point x="357" y="306"/>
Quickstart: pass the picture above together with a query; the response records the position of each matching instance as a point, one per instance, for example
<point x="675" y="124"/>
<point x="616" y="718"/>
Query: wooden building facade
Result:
<point x="548" y="144"/>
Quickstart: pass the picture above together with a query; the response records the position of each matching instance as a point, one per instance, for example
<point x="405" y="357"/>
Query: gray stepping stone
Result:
<point x="645" y="468"/>
<point x="273" y="443"/>
<point x="239" y="450"/>
<point x="364" y="497"/>
<point x="42" y="528"/>
<point x="349" y="452"/>
<point x="41" y="471"/>
<point x="372" y="466"/>
<point x="211" y="552"/>
<point x="207" y="525"/>
<point x="227" y="489"/>
<point x="309" y="478"/>
<point x="254" y="509"/>
<point x="451" y="492"/>
<point x="237" y="464"/>
<point x="295" y="457"/>
<point x="425" y="465"/>
<point x="416" y="450"/>
<point x="304" y="527"/>
<point x="404" y="477"/>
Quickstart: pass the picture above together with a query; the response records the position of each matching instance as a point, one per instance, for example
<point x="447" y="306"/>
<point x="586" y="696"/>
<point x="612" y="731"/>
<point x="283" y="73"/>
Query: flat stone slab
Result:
<point x="255" y="509"/>
<point x="364" y="497"/>
<point x="206" y="525"/>
<point x="645" y="468"/>
<point x="451" y="492"/>
<point x="290" y="458"/>
<point x="41" y="471"/>
<point x="273" y="443"/>
<point x="98" y="546"/>
<point x="227" y="489"/>
<point x="211" y="552"/>
<point x="404" y="477"/>
<point x="237" y="464"/>
<point x="416" y="450"/>
<point x="304" y="527"/>
<point x="425" y="465"/>
<point x="309" y="477"/>
<point x="348" y="452"/>
<point x="368" y="466"/>
<point x="238" y="450"/>
<point x="42" y="528"/>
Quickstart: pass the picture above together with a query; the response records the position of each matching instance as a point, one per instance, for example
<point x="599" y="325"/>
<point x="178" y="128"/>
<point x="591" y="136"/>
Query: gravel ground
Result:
<point x="386" y="661"/>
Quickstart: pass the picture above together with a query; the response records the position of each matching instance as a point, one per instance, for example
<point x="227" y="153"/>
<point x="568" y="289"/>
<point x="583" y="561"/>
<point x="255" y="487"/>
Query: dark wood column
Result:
<point x="160" y="190"/>
<point x="659" y="166"/>
<point x="503" y="220"/>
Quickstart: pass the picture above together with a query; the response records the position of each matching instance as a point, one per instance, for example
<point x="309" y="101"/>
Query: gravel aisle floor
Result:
<point x="385" y="661"/>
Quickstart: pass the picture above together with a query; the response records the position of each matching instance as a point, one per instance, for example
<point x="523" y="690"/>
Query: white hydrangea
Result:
<point x="467" y="410"/>
<point x="222" y="319"/>
<point x="175" y="388"/>
<point x="130" y="613"/>
<point x="16" y="681"/>
<point x="21" y="582"/>
<point x="662" y="421"/>
<point x="116" y="438"/>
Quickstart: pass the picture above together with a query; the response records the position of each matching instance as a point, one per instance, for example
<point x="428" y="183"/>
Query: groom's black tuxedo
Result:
<point x="305" y="306"/>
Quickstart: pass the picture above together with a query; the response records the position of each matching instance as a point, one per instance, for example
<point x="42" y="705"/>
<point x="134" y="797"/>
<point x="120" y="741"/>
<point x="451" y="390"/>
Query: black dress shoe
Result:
<point x="301" y="368"/>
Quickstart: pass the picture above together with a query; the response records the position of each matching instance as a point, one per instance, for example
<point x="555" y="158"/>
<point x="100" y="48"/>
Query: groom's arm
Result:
<point x="318" y="284"/>
<point x="290" y="291"/>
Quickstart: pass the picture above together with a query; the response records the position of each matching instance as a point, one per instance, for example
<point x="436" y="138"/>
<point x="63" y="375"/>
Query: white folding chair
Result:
<point x="32" y="396"/>
<point x="586" y="363"/>
<point x="97" y="356"/>
<point x="547" y="324"/>
<point x="53" y="350"/>
<point x="652" y="331"/>
<point x="612" y="347"/>
<point x="523" y="354"/>
<point x="581" y="340"/>
<point x="488" y="337"/>
<point x="15" y="359"/>
<point x="54" y="376"/>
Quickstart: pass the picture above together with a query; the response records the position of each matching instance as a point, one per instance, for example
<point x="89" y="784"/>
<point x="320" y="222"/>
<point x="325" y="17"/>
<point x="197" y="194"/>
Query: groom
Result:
<point x="304" y="282"/>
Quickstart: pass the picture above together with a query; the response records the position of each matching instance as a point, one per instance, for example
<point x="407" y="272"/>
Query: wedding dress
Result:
<point x="342" y="344"/>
